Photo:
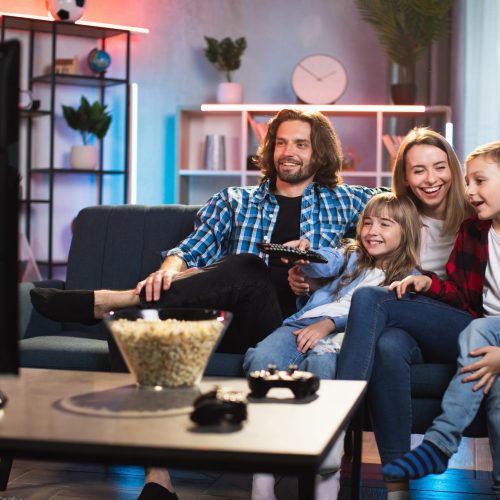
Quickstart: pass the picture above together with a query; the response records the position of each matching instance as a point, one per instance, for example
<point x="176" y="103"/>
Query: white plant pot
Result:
<point x="84" y="157"/>
<point x="229" y="93"/>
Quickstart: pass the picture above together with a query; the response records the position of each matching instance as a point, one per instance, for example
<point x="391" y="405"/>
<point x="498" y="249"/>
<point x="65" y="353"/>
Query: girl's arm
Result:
<point x="485" y="370"/>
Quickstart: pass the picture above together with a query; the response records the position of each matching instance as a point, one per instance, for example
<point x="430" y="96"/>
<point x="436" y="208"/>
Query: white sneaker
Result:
<point x="263" y="487"/>
<point x="327" y="487"/>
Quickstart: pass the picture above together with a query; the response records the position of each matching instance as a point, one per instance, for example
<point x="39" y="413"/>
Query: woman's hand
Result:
<point x="485" y="370"/>
<point x="309" y="336"/>
<point x="420" y="283"/>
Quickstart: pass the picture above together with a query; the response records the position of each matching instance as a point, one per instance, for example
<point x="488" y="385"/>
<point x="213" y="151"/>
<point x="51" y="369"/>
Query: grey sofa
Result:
<point x="116" y="246"/>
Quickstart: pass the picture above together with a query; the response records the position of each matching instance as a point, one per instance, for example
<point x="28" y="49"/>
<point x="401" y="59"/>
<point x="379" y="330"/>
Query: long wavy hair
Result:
<point x="457" y="208"/>
<point x="401" y="261"/>
<point x="326" y="149"/>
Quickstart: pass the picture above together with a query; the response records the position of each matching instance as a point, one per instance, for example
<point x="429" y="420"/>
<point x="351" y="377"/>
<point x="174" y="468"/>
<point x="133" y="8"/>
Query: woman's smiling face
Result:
<point x="429" y="177"/>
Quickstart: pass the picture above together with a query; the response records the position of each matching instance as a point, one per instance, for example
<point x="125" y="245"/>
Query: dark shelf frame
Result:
<point x="56" y="29"/>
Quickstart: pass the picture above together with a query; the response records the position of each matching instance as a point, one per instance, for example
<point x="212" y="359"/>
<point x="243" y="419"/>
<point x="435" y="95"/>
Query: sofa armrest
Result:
<point x="32" y="323"/>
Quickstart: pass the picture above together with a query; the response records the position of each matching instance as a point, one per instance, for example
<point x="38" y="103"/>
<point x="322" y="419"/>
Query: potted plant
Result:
<point x="225" y="55"/>
<point x="92" y="121"/>
<point x="405" y="29"/>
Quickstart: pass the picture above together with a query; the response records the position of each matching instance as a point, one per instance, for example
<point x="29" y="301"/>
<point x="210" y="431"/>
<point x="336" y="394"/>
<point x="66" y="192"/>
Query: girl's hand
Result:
<point x="297" y="281"/>
<point x="485" y="370"/>
<point x="419" y="283"/>
<point x="309" y="336"/>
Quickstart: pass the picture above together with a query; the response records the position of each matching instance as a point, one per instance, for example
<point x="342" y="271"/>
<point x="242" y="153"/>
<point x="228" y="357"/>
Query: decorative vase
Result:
<point x="229" y="93"/>
<point x="84" y="157"/>
<point x="403" y="93"/>
<point x="66" y="10"/>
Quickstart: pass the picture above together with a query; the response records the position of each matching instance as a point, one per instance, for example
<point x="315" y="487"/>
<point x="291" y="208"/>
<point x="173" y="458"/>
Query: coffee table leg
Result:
<point x="5" y="466"/>
<point x="307" y="486"/>
<point x="357" y="452"/>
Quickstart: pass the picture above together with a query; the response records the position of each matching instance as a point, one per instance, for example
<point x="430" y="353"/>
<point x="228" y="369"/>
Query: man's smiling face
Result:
<point x="293" y="152"/>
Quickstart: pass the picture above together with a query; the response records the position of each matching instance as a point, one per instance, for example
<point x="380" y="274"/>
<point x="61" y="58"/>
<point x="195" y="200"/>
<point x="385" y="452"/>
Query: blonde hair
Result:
<point x="457" y="208"/>
<point x="401" y="261"/>
<point x="491" y="151"/>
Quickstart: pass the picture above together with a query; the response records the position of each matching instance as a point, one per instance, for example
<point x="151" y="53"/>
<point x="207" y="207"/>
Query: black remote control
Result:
<point x="293" y="254"/>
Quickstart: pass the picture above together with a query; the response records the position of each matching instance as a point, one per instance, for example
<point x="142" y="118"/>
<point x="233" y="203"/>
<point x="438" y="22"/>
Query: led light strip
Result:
<point x="360" y="108"/>
<point x="49" y="18"/>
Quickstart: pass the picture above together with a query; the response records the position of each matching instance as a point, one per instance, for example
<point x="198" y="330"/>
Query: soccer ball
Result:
<point x="66" y="10"/>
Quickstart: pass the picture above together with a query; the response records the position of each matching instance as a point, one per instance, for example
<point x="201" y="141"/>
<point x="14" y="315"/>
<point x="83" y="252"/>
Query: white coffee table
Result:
<point x="103" y="417"/>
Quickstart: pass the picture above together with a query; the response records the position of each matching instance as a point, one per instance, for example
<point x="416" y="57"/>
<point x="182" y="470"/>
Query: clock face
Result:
<point x="319" y="79"/>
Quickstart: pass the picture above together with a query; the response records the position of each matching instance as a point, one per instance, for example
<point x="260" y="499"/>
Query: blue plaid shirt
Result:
<point x="237" y="218"/>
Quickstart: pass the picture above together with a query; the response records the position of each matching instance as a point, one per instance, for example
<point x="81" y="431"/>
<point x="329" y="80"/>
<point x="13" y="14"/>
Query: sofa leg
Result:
<point x="5" y="467"/>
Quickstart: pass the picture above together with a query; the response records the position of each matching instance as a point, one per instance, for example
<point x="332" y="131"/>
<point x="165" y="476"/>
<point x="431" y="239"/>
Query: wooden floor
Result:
<point x="467" y="478"/>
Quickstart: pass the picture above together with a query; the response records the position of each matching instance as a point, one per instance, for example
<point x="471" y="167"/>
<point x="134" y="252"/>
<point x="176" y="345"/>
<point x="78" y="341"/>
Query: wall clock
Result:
<point x="319" y="79"/>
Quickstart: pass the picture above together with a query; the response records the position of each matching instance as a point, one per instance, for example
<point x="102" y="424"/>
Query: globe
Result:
<point x="98" y="60"/>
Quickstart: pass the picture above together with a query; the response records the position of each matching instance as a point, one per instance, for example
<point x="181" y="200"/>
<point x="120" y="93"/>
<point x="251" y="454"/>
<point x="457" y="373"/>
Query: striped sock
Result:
<point x="423" y="460"/>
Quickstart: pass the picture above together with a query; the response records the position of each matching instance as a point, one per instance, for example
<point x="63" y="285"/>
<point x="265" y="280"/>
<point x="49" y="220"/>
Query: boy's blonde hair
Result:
<point x="405" y="258"/>
<point x="490" y="150"/>
<point x="457" y="208"/>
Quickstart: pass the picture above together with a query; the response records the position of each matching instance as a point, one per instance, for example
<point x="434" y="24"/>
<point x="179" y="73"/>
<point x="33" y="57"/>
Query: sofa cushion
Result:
<point x="70" y="351"/>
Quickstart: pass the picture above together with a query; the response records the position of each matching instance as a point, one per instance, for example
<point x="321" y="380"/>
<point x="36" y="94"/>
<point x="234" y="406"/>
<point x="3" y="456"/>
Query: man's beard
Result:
<point x="299" y="174"/>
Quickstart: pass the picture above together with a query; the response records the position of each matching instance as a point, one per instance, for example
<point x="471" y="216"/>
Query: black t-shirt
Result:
<point x="287" y="228"/>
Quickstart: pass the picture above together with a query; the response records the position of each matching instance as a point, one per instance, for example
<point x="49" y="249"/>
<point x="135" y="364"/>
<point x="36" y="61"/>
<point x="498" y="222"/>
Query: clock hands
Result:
<point x="318" y="78"/>
<point x="307" y="70"/>
<point x="327" y="75"/>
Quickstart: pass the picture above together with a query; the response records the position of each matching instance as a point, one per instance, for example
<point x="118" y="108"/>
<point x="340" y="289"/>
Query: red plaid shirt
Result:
<point x="466" y="268"/>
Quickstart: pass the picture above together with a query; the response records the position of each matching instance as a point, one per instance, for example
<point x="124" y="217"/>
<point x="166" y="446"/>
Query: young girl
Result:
<point x="473" y="285"/>
<point x="386" y="245"/>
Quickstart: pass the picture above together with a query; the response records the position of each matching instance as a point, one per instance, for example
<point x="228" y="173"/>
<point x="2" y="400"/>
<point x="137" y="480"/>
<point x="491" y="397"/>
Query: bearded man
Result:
<point x="301" y="196"/>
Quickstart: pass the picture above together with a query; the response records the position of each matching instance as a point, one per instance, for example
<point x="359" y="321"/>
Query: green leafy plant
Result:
<point x="225" y="54"/>
<point x="406" y="28"/>
<point x="89" y="119"/>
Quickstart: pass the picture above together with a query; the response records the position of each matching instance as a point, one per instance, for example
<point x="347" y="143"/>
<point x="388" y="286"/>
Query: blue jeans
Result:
<point x="460" y="403"/>
<point x="384" y="337"/>
<point x="280" y="348"/>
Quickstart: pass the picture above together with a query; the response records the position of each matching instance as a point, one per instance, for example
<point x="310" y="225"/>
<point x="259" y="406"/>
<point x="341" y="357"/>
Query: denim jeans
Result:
<point x="280" y="348"/>
<point x="460" y="403"/>
<point x="384" y="337"/>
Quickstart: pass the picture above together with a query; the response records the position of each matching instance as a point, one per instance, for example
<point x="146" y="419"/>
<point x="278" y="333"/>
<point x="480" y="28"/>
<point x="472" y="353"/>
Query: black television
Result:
<point x="9" y="206"/>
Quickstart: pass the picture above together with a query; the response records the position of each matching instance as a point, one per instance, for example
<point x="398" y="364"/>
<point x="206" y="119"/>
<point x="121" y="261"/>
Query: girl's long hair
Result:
<point x="401" y="261"/>
<point x="457" y="208"/>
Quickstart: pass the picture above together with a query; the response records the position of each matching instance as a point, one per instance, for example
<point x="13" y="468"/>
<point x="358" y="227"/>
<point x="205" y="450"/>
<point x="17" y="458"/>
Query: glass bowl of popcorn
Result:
<point x="167" y="347"/>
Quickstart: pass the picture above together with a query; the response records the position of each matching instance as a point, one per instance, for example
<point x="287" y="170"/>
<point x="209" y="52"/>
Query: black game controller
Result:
<point x="220" y="406"/>
<point x="302" y="384"/>
<point x="293" y="254"/>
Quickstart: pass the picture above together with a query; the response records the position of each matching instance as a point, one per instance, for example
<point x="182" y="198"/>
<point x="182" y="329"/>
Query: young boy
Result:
<point x="473" y="285"/>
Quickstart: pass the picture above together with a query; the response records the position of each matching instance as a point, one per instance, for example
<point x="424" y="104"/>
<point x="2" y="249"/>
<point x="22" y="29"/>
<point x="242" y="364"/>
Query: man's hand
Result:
<point x="300" y="245"/>
<point x="419" y="283"/>
<point x="309" y="336"/>
<point x="485" y="370"/>
<point x="171" y="269"/>
<point x="155" y="283"/>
